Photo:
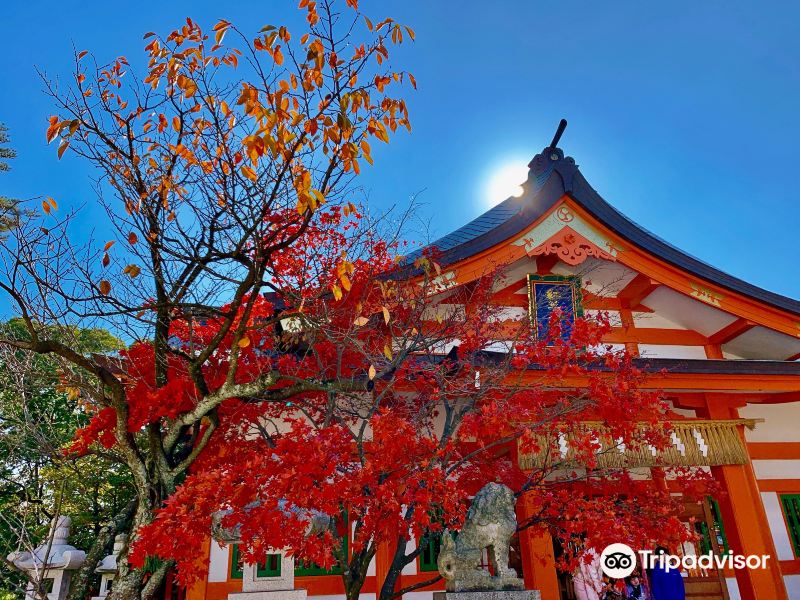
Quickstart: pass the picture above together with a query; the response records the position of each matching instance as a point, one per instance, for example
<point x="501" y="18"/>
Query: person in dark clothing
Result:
<point x="666" y="583"/>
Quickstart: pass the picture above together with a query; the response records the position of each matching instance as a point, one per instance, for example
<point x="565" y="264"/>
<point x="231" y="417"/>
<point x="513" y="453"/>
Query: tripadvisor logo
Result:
<point x="618" y="561"/>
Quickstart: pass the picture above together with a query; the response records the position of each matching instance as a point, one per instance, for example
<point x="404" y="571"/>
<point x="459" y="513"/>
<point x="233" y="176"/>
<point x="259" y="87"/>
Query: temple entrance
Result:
<point x="701" y="584"/>
<point x="708" y="584"/>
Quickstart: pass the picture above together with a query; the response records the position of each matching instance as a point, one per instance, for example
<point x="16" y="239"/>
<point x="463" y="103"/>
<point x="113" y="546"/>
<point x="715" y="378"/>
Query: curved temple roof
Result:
<point x="551" y="176"/>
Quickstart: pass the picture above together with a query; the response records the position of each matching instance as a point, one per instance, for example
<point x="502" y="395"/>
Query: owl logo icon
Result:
<point x="618" y="561"/>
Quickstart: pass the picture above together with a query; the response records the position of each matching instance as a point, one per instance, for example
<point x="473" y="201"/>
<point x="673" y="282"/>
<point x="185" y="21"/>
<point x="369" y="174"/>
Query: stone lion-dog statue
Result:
<point x="490" y="523"/>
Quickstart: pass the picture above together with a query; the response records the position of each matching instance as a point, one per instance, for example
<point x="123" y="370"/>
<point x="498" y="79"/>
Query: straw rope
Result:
<point x="695" y="442"/>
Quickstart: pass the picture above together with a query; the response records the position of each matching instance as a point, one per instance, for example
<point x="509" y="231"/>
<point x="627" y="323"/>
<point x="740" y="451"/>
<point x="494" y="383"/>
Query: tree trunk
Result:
<point x="357" y="572"/>
<point x="82" y="581"/>
<point x="393" y="575"/>
<point x="129" y="583"/>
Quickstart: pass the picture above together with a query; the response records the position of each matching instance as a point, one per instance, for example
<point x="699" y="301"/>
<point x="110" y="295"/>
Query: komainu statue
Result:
<point x="489" y="525"/>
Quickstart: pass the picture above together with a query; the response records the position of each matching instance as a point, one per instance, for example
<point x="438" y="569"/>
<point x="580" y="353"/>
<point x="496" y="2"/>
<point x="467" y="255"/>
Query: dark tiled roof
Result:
<point x="551" y="176"/>
<point x="699" y="366"/>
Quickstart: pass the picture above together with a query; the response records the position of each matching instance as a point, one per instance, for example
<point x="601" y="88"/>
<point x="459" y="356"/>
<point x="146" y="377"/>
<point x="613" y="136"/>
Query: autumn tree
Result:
<point x="218" y="169"/>
<point x="286" y="366"/>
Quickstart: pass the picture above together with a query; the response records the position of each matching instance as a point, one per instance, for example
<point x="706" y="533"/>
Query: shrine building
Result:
<point x="724" y="351"/>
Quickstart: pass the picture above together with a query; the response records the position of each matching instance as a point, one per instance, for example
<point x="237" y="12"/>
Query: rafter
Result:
<point x="639" y="288"/>
<point x="731" y="331"/>
<point x="657" y="336"/>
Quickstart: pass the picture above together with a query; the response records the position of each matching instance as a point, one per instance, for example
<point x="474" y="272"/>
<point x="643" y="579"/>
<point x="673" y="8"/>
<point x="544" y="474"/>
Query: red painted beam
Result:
<point x="732" y="331"/>
<point x="637" y="290"/>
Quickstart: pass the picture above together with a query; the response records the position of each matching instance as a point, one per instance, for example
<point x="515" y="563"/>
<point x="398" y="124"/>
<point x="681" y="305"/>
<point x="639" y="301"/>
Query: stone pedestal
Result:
<point x="276" y="587"/>
<point x="496" y="595"/>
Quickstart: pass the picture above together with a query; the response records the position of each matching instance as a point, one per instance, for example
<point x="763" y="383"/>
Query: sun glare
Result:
<point x="506" y="181"/>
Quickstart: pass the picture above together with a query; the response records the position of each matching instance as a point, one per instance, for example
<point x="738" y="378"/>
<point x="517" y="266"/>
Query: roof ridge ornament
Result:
<point x="562" y="125"/>
<point x="549" y="159"/>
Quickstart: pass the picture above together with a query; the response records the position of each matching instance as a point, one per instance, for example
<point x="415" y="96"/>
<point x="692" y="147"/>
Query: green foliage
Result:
<point x="38" y="418"/>
<point x="9" y="209"/>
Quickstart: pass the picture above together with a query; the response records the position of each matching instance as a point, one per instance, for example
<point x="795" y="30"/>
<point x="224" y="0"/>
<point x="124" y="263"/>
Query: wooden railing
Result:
<point x="695" y="442"/>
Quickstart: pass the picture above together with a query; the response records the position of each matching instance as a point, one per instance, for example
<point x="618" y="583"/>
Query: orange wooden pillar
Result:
<point x="383" y="560"/>
<point x="198" y="590"/>
<point x="744" y="517"/>
<point x="538" y="562"/>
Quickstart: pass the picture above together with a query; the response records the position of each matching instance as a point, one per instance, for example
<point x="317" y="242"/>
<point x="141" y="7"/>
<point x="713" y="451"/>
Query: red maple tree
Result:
<point x="286" y="366"/>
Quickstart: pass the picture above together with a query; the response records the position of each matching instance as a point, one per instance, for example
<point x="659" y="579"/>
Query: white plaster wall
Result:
<point x="792" y="586"/>
<point x="218" y="562"/>
<point x="669" y="351"/>
<point x="410" y="568"/>
<point x="686" y="412"/>
<point x="654" y="321"/>
<point x="733" y="588"/>
<point x="777" y="469"/>
<point x="780" y="423"/>
<point x="509" y="313"/>
<point x="418" y="596"/>
<point x="601" y="349"/>
<point x="613" y="316"/>
<point x="777" y="525"/>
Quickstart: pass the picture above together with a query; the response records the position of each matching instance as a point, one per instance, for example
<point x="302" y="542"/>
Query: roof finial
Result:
<point x="559" y="132"/>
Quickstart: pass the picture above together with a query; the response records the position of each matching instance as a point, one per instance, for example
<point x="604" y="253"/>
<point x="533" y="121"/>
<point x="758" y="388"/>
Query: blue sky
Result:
<point x="683" y="115"/>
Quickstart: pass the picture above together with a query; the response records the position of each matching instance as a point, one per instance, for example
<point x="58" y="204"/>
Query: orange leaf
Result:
<point x="132" y="271"/>
<point x="105" y="287"/>
<point x="244" y="342"/>
<point x="372" y="372"/>
<point x="45" y="207"/>
<point x="361" y="321"/>
<point x="132" y="239"/>
<point x="62" y="148"/>
<point x="108" y="245"/>
<point x="249" y="173"/>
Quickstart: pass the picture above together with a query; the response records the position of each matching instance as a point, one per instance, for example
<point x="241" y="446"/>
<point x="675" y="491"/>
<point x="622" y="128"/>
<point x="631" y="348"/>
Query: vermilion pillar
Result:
<point x="383" y="560"/>
<point x="198" y="590"/>
<point x="538" y="562"/>
<point x="744" y="517"/>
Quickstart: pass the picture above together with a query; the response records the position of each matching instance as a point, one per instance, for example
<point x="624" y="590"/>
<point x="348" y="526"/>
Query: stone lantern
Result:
<point x="52" y="562"/>
<point x="108" y="567"/>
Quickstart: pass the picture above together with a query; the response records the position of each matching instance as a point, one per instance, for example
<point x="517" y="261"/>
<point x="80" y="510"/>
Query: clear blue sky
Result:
<point x="683" y="115"/>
